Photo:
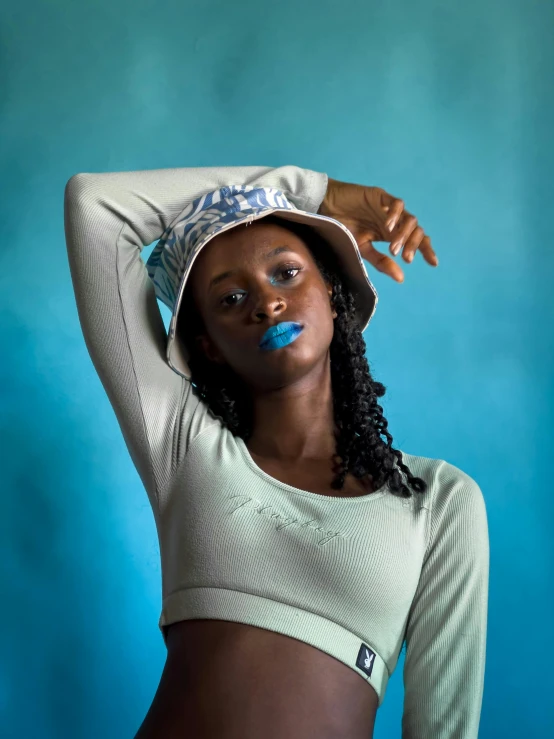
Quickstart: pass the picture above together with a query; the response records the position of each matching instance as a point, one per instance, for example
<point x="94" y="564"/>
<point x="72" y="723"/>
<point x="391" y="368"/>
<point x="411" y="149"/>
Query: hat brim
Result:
<point x="339" y="238"/>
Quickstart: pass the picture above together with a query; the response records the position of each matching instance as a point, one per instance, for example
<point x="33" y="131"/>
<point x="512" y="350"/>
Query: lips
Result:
<point x="277" y="330"/>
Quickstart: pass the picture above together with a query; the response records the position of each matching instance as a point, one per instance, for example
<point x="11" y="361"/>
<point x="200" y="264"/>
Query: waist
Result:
<point x="209" y="603"/>
<point x="230" y="679"/>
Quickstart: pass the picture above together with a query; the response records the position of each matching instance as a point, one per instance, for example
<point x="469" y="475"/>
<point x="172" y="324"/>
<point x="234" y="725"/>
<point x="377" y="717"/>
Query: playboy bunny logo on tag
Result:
<point x="366" y="659"/>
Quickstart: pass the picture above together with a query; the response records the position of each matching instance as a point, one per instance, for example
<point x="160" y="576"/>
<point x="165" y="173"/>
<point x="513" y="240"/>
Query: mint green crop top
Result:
<point x="354" y="577"/>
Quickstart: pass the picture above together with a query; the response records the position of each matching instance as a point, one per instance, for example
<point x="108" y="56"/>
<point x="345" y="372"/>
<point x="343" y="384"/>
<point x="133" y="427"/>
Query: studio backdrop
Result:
<point x="448" y="106"/>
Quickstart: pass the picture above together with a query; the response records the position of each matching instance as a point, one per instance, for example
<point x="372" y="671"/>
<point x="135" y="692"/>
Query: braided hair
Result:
<point x="360" y="448"/>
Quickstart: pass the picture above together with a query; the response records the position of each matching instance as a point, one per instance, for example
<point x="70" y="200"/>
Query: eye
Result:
<point x="290" y="269"/>
<point x="281" y="270"/>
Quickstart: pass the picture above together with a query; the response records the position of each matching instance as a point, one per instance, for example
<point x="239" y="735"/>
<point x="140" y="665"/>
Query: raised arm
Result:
<point x="109" y="218"/>
<point x="447" y="626"/>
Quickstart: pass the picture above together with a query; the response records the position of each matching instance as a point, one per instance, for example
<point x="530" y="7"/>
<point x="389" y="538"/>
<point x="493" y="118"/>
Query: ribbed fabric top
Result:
<point x="355" y="577"/>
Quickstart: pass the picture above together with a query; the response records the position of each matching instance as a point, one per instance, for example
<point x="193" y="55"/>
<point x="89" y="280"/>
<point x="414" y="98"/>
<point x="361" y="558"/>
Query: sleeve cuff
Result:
<point x="317" y="187"/>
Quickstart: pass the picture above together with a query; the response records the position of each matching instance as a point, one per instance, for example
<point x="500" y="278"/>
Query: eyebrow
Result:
<point x="279" y="250"/>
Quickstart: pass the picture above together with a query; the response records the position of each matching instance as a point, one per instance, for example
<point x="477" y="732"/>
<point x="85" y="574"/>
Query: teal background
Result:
<point x="449" y="106"/>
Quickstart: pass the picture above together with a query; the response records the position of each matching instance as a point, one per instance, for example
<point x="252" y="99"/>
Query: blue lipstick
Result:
<point x="280" y="335"/>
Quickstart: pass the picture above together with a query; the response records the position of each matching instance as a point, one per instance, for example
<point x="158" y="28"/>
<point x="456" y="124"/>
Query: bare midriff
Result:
<point x="226" y="680"/>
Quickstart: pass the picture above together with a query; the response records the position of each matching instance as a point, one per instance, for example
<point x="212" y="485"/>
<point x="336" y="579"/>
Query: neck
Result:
<point x="296" y="422"/>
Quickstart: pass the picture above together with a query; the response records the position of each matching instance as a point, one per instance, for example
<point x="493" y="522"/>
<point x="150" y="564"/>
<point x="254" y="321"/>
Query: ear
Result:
<point x="330" y="291"/>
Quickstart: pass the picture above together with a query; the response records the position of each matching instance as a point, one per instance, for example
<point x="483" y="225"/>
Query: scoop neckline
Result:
<point x="305" y="493"/>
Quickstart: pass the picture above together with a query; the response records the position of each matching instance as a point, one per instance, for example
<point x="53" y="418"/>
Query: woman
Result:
<point x="299" y="550"/>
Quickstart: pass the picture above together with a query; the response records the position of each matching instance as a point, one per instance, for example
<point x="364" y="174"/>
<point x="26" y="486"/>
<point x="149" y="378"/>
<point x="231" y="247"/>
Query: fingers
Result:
<point x="382" y="262"/>
<point x="406" y="226"/>
<point x="412" y="244"/>
<point x="410" y="235"/>
<point x="395" y="209"/>
<point x="405" y="233"/>
<point x="418" y="240"/>
<point x="428" y="253"/>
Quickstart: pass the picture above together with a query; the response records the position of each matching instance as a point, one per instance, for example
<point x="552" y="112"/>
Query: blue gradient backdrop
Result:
<point x="447" y="105"/>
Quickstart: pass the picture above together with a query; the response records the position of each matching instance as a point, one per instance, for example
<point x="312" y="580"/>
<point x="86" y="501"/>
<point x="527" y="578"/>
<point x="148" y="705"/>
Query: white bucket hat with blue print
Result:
<point x="172" y="258"/>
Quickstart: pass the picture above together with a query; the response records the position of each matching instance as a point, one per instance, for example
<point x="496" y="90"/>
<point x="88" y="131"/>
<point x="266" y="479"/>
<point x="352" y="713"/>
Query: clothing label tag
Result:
<point x="366" y="659"/>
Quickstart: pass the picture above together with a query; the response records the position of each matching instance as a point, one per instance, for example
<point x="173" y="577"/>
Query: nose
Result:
<point x="268" y="303"/>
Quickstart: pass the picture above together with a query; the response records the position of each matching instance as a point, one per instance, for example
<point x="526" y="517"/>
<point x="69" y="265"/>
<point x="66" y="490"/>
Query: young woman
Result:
<point x="299" y="549"/>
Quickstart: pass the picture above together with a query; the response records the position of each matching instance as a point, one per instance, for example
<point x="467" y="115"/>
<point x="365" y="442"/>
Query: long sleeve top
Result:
<point x="355" y="577"/>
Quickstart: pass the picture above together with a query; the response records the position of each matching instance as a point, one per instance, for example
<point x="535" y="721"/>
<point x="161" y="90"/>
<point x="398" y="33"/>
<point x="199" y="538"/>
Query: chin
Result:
<point x="282" y="367"/>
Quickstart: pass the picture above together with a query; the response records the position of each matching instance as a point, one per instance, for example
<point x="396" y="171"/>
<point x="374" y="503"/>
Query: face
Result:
<point x="241" y="287"/>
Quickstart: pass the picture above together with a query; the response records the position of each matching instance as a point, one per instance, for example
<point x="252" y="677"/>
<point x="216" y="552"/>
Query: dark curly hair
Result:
<point x="359" y="418"/>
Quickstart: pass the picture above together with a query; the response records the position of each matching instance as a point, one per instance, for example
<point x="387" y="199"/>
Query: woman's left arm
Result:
<point x="446" y="629"/>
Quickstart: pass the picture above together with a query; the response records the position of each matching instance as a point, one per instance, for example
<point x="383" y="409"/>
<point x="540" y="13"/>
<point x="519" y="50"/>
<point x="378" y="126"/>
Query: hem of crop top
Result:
<point x="222" y="604"/>
<point x="258" y="470"/>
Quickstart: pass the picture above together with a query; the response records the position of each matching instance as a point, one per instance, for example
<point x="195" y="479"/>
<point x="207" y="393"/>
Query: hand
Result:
<point x="371" y="214"/>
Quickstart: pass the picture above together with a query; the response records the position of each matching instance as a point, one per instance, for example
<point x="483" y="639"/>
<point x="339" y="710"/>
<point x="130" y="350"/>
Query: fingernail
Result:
<point x="396" y="248"/>
<point x="391" y="224"/>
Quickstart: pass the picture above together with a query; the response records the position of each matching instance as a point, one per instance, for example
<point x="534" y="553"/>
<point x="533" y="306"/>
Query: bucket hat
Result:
<point x="171" y="260"/>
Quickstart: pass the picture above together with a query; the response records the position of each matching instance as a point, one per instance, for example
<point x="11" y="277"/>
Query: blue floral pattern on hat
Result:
<point x="202" y="219"/>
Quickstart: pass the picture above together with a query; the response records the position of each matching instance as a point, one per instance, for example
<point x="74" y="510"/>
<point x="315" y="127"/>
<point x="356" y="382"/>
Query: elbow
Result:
<point x="76" y="186"/>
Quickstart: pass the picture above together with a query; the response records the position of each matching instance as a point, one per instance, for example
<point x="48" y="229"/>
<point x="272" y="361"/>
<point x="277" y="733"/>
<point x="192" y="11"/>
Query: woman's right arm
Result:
<point x="109" y="218"/>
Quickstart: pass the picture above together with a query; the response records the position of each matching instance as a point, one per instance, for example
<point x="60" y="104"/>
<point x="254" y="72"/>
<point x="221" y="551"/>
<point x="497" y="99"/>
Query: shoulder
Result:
<point x="450" y="493"/>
